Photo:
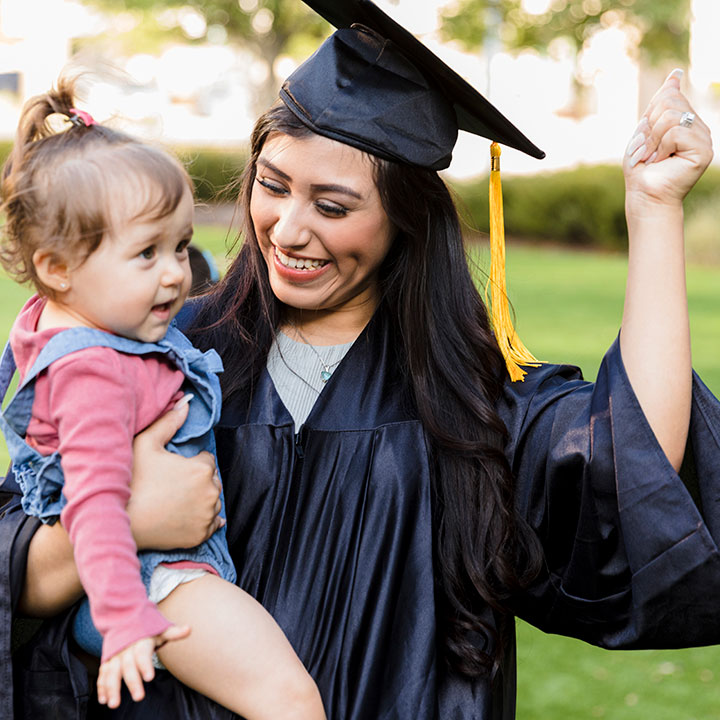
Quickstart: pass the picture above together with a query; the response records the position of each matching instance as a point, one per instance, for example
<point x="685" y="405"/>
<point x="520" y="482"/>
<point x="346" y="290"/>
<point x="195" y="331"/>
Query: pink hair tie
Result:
<point x="80" y="118"/>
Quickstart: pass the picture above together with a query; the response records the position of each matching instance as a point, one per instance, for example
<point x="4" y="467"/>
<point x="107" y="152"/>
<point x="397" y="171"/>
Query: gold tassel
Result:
<point x="512" y="348"/>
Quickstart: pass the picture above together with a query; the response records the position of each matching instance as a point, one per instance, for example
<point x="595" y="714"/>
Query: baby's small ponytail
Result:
<point x="34" y="125"/>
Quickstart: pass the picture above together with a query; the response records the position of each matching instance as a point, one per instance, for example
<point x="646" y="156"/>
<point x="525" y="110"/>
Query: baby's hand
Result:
<point x="133" y="665"/>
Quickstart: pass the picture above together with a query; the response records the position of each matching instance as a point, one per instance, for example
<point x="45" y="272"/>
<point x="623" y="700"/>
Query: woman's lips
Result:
<point x="298" y="269"/>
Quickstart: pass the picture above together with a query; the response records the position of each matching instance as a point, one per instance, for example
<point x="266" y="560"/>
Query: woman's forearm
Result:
<point x="655" y="335"/>
<point x="51" y="580"/>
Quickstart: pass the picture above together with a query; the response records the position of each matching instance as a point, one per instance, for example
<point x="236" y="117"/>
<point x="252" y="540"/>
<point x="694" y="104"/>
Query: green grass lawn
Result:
<point x="568" y="308"/>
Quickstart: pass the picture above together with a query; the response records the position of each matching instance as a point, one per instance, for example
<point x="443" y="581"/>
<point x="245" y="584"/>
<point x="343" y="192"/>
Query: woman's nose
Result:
<point x="291" y="228"/>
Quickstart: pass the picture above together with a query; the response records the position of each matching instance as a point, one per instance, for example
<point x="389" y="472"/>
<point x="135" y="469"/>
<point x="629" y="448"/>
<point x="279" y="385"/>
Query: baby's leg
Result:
<point x="236" y="654"/>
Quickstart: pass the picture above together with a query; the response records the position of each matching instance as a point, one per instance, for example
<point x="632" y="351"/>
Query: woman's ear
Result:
<point x="51" y="270"/>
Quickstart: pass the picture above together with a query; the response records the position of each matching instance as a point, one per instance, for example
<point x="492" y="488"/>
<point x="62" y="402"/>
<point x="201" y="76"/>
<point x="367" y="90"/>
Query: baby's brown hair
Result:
<point x="57" y="187"/>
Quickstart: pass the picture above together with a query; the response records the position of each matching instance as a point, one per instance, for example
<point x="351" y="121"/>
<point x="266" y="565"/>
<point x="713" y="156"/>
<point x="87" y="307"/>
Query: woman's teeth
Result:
<point x="299" y="263"/>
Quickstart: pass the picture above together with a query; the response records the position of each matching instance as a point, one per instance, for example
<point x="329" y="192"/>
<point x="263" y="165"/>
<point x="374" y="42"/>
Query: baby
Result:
<point x="99" y="223"/>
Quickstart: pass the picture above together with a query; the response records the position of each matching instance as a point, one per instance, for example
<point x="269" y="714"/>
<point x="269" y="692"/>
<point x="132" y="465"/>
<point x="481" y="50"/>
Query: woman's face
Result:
<point x="320" y="224"/>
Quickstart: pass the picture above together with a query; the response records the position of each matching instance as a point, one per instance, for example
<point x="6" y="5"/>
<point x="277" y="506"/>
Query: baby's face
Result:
<point x="138" y="279"/>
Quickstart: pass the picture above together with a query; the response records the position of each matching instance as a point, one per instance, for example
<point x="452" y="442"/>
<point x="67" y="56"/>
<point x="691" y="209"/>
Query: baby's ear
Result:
<point x="51" y="270"/>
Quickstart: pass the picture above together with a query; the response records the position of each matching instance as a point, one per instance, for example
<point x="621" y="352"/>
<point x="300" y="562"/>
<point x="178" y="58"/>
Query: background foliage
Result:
<point x="267" y="28"/>
<point x="660" y="27"/>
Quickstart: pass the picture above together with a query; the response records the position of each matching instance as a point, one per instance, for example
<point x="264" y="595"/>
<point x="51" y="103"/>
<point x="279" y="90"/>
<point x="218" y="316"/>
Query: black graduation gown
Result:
<point x="332" y="531"/>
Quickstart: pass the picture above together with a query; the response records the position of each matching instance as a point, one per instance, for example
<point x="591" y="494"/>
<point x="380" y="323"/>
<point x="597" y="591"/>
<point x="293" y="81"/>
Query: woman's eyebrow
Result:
<point x="336" y="188"/>
<point x="266" y="163"/>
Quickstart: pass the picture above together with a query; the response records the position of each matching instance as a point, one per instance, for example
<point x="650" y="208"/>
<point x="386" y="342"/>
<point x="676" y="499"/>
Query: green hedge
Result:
<point x="211" y="170"/>
<point x="583" y="207"/>
<point x="5" y="147"/>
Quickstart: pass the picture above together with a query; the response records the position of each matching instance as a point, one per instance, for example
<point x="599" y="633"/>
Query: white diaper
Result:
<point x="163" y="581"/>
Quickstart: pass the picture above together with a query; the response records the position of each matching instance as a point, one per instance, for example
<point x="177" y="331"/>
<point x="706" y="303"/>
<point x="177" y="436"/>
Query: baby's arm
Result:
<point x="92" y="398"/>
<point x="183" y="487"/>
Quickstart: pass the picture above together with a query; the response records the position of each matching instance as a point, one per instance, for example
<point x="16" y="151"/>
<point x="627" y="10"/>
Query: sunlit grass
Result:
<point x="568" y="306"/>
<point x="564" y="679"/>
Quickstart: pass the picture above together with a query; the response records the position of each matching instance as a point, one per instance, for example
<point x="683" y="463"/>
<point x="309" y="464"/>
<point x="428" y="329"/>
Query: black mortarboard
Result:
<point x="376" y="87"/>
<point x="373" y="85"/>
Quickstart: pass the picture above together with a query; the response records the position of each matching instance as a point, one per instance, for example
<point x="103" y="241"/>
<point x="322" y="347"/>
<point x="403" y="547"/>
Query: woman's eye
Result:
<point x="274" y="188"/>
<point x="148" y="253"/>
<point x="331" y="209"/>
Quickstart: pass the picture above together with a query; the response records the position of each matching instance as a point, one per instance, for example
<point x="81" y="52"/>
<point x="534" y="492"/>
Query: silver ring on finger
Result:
<point x="687" y="119"/>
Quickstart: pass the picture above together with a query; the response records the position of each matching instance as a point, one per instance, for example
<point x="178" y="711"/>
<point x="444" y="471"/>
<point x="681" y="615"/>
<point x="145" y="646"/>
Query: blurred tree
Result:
<point x="268" y="28"/>
<point x="658" y="29"/>
<point x="663" y="25"/>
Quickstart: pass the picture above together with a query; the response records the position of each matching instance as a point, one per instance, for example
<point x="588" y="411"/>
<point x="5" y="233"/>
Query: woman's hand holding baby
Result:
<point x="133" y="665"/>
<point x="175" y="500"/>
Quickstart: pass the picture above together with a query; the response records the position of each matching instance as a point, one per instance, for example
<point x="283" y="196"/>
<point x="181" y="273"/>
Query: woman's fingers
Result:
<point x="673" y="129"/>
<point x="669" y="150"/>
<point x="647" y="137"/>
<point x="218" y="502"/>
<point x="159" y="434"/>
<point x="669" y="88"/>
<point x="660" y="130"/>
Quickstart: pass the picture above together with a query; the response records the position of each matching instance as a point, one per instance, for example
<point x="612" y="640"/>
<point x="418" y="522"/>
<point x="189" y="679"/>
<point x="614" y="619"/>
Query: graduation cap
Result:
<point x="374" y="86"/>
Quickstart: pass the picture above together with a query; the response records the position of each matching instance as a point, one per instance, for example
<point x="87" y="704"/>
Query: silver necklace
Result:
<point x="327" y="369"/>
<point x="293" y="371"/>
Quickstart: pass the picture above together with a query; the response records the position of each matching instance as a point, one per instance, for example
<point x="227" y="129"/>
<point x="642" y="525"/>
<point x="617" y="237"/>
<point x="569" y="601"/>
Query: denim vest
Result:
<point x="40" y="477"/>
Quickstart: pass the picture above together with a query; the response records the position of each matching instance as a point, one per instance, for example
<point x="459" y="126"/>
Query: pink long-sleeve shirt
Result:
<point x="89" y="405"/>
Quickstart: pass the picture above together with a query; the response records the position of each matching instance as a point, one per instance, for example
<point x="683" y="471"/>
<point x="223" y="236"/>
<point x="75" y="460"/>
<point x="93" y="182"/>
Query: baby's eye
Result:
<point x="182" y="246"/>
<point x="272" y="187"/>
<point x="148" y="253"/>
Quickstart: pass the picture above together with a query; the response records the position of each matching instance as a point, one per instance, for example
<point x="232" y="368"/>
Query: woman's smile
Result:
<point x="306" y="266"/>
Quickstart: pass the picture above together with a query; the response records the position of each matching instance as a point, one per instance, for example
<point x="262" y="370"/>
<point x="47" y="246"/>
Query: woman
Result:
<point x="392" y="499"/>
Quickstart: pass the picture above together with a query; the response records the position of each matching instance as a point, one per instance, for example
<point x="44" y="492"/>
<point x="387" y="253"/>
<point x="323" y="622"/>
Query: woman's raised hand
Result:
<point x="669" y="151"/>
<point x="175" y="500"/>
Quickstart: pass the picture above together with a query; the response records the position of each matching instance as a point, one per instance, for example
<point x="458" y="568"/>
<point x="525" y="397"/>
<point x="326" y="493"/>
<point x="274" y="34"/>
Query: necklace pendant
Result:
<point x="325" y="375"/>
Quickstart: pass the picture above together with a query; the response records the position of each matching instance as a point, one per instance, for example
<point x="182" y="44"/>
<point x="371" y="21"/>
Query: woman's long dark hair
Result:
<point x="483" y="550"/>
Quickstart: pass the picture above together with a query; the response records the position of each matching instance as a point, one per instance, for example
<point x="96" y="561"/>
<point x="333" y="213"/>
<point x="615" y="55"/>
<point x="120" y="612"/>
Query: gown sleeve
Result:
<point x="630" y="546"/>
<point x="16" y="531"/>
